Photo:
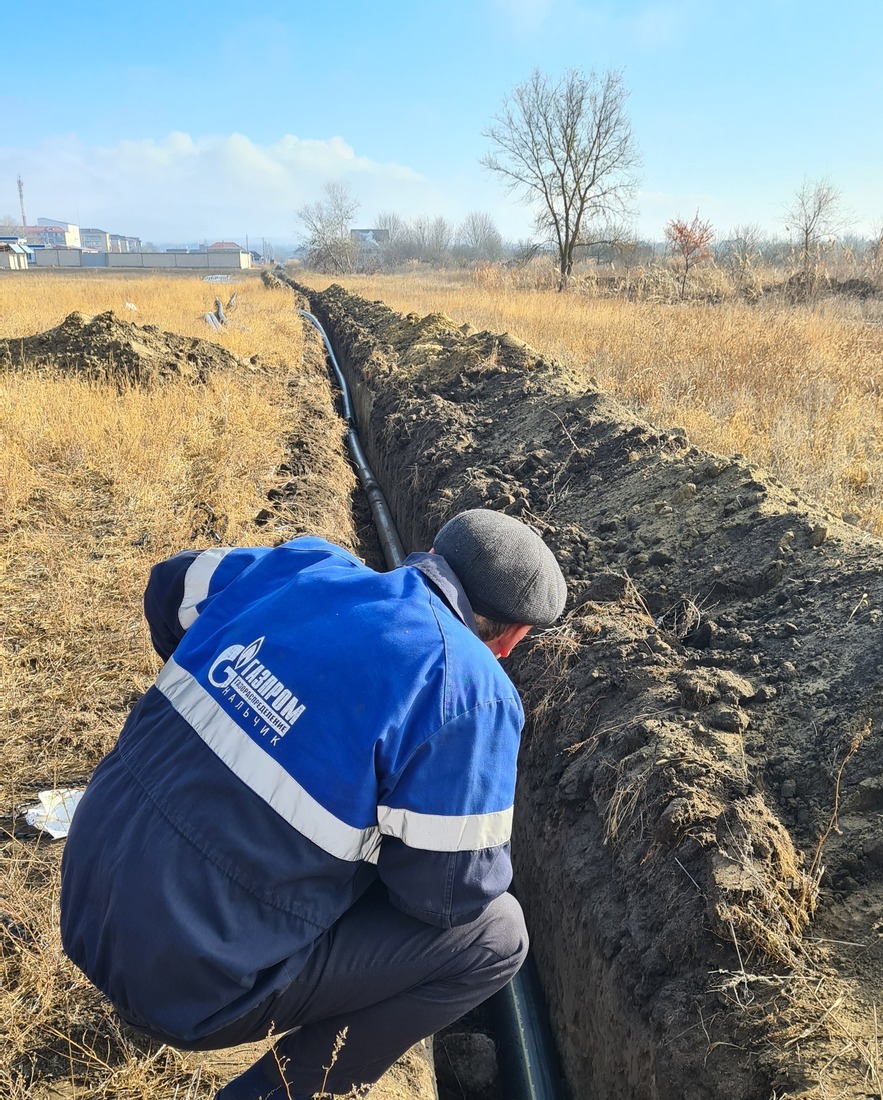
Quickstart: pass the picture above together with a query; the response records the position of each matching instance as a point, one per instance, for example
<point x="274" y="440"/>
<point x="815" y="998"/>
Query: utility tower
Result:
<point x="21" y="199"/>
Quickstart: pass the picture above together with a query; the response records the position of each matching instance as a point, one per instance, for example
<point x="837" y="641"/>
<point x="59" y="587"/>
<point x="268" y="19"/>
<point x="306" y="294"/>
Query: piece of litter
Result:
<point x="131" y="305"/>
<point x="55" y="811"/>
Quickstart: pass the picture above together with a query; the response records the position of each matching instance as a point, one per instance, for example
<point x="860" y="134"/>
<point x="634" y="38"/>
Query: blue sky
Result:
<point x="184" y="121"/>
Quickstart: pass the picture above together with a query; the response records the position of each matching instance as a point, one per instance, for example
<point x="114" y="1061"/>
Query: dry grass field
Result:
<point x="102" y="479"/>
<point x="795" y="388"/>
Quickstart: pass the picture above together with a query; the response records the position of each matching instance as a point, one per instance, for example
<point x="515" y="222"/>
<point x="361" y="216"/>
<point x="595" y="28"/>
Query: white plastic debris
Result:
<point x="54" y="812"/>
<point x="132" y="306"/>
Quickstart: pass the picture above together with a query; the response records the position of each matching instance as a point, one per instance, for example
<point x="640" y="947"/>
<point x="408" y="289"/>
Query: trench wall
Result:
<point x="675" y="773"/>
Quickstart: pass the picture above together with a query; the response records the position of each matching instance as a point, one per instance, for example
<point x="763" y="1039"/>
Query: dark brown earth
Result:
<point x="698" y="838"/>
<point x="106" y="347"/>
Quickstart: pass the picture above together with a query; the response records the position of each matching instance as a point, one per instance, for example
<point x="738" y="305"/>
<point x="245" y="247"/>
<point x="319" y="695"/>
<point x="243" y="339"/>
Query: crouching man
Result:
<point x="304" y="826"/>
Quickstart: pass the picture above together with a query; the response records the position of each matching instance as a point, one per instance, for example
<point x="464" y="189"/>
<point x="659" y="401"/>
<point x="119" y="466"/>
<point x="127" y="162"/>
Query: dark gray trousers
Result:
<point x="387" y="978"/>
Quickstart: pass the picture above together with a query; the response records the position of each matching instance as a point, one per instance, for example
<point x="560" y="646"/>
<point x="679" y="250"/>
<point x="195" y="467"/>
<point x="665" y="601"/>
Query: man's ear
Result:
<point x="504" y="643"/>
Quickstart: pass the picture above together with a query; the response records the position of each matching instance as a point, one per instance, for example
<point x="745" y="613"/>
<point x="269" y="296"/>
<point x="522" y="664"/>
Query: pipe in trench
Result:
<point x="529" y="1060"/>
<point x="393" y="550"/>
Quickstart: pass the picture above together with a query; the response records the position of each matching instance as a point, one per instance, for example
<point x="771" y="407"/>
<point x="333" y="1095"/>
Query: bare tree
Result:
<point x="395" y="225"/>
<point x="430" y="239"/>
<point x="567" y="148"/>
<point x="327" y="223"/>
<point x="440" y="238"/>
<point x="395" y="250"/>
<point x="479" y="237"/>
<point x="689" y="243"/>
<point x="741" y="251"/>
<point x="815" y="214"/>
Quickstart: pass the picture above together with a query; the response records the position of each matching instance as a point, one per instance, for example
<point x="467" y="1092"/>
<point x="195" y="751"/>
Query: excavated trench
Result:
<point x="699" y="818"/>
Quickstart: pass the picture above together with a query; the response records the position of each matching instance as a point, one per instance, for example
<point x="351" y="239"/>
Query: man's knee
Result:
<point x="505" y="933"/>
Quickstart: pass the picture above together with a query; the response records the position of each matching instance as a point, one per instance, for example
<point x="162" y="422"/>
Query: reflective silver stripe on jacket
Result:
<point x="196" y="582"/>
<point x="267" y="778"/>
<point x="439" y="833"/>
<point x="259" y="771"/>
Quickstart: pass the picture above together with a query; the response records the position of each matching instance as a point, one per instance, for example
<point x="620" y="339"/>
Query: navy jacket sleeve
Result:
<point x="446" y="818"/>
<point x="181" y="587"/>
<point x="162" y="601"/>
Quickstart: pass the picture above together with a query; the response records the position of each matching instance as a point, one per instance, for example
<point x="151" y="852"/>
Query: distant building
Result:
<point x="70" y="231"/>
<point x="13" y="255"/>
<point x="225" y="246"/>
<point x="95" y="238"/>
<point x="50" y="236"/>
<point x="119" y="243"/>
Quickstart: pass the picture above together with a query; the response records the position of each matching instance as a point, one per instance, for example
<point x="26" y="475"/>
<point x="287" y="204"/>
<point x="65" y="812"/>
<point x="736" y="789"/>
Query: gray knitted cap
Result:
<point x="507" y="571"/>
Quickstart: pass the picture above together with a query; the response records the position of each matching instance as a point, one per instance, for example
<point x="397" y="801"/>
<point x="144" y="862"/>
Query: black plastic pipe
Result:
<point x="393" y="550"/>
<point x="529" y="1059"/>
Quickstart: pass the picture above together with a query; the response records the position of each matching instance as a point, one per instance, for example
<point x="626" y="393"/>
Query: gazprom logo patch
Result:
<point x="249" y="653"/>
<point x="258" y="696"/>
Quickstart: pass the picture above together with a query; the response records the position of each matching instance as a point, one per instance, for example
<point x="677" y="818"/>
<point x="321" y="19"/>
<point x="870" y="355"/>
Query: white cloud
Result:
<point x="188" y="188"/>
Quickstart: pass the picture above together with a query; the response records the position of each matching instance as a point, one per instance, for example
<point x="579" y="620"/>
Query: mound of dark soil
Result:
<point x="802" y="286"/>
<point x="699" y="826"/>
<point x="106" y="347"/>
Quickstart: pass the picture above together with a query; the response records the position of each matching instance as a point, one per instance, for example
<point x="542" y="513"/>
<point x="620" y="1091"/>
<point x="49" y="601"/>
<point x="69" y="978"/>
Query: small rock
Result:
<point x="683" y="493"/>
<point x="714" y="468"/>
<point x="789" y="788"/>
<point x="818" y="534"/>
<point x="733" y="688"/>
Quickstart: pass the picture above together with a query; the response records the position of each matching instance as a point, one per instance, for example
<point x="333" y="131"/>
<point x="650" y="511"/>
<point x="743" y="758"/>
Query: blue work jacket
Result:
<point x="316" y="725"/>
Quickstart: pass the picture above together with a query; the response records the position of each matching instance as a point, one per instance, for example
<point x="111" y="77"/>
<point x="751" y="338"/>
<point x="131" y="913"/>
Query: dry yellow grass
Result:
<point x="263" y="322"/>
<point x="798" y="389"/>
<point x="100" y="481"/>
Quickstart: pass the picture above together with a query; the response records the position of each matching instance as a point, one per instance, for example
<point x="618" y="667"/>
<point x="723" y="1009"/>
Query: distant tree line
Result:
<point x="331" y="244"/>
